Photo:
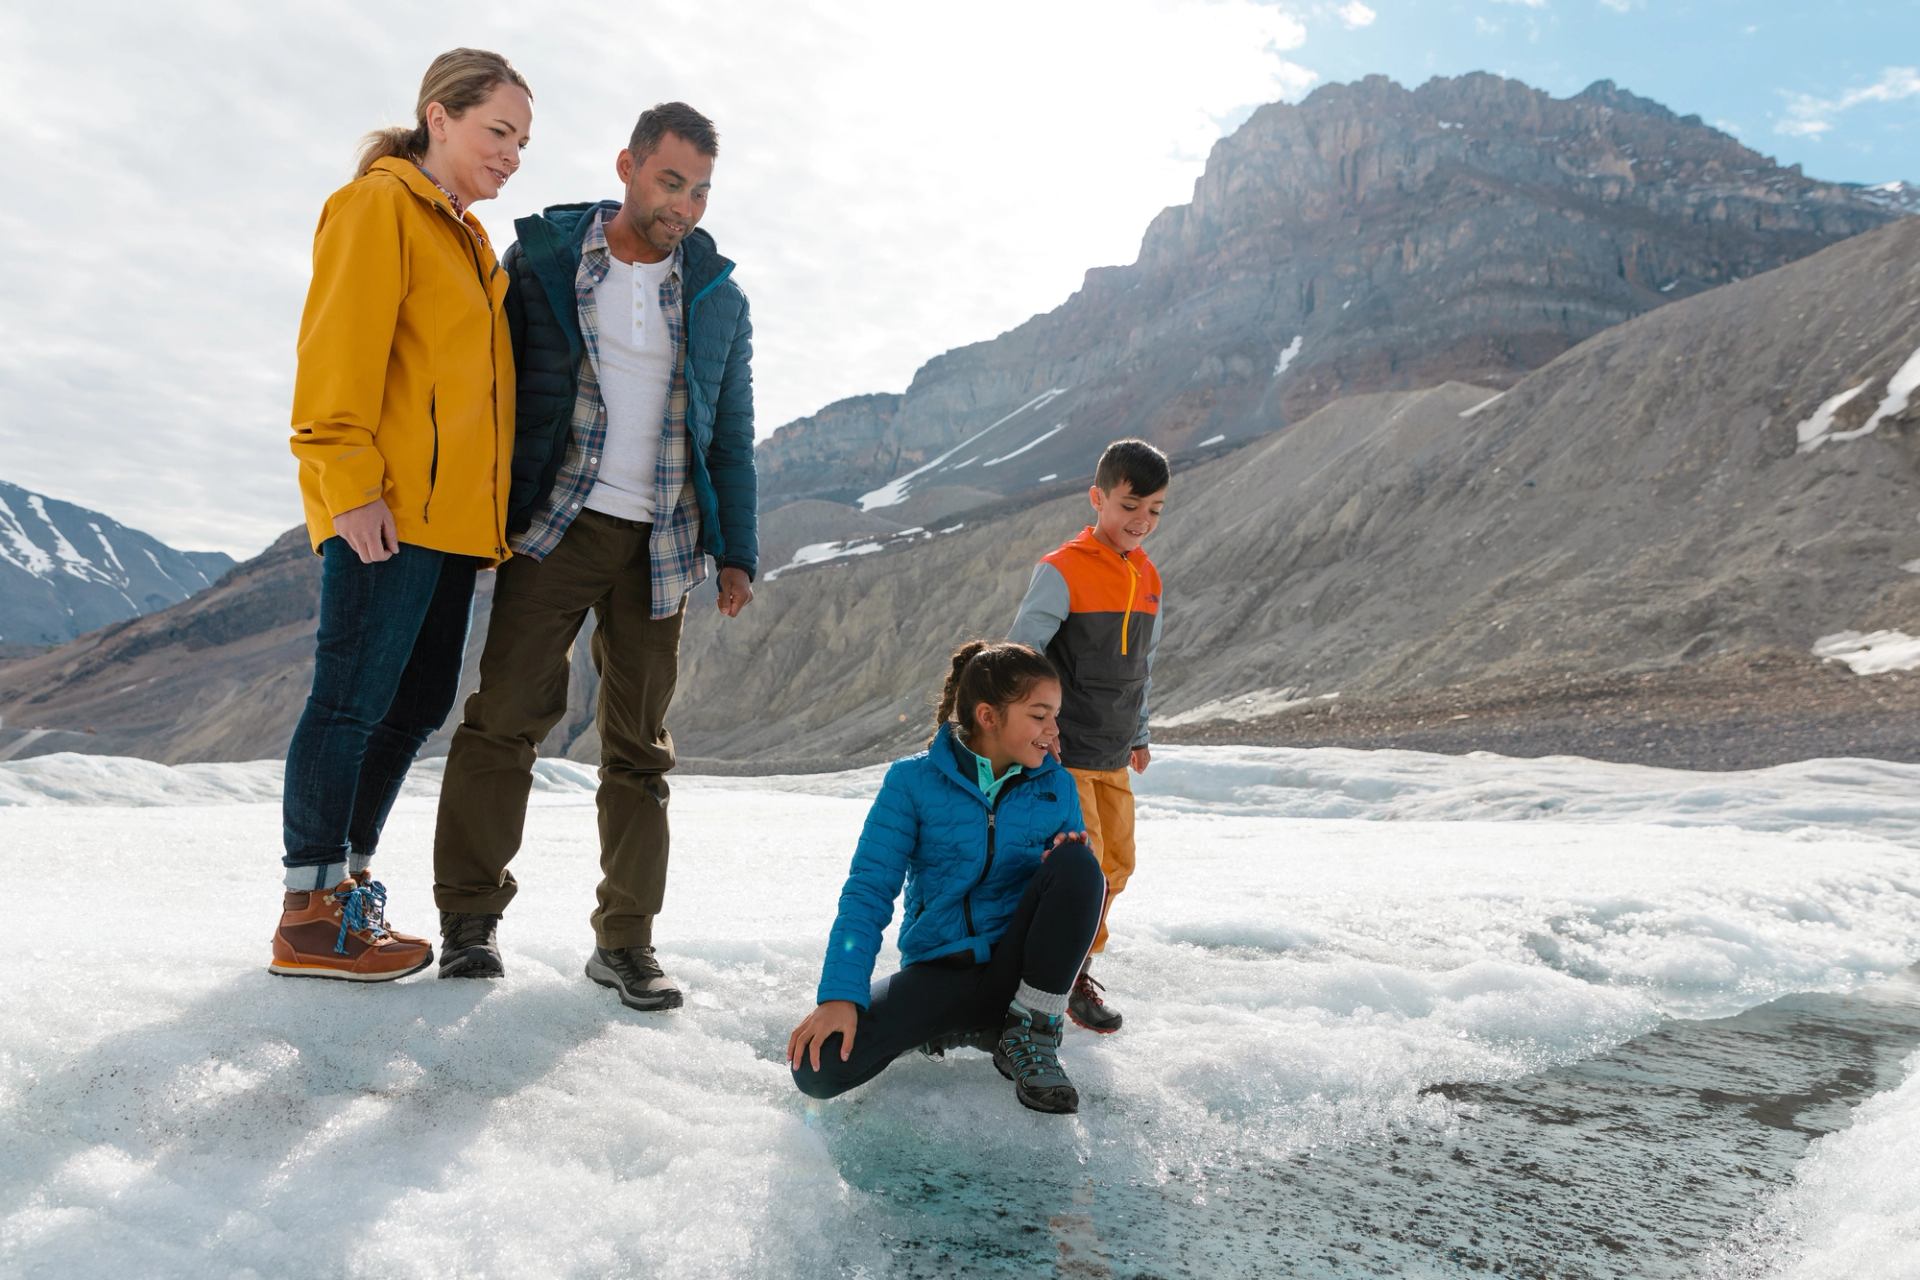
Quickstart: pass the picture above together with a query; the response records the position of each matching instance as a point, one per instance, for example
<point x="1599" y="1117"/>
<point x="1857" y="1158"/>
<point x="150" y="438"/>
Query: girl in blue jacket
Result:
<point x="1003" y="895"/>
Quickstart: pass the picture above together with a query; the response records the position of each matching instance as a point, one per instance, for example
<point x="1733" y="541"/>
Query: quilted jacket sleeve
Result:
<point x="730" y="458"/>
<point x="879" y="870"/>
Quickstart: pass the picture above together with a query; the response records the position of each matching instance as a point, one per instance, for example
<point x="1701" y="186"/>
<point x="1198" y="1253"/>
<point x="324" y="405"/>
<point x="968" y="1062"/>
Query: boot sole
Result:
<point x="1005" y="1068"/>
<point x="651" y="1002"/>
<point x="467" y="965"/>
<point x="287" y="970"/>
<point x="1088" y="1026"/>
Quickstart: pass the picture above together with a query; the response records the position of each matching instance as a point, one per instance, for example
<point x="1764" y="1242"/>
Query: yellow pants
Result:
<point x="1106" y="802"/>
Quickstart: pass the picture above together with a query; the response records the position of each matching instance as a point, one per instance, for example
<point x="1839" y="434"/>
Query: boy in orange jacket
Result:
<point x="1093" y="608"/>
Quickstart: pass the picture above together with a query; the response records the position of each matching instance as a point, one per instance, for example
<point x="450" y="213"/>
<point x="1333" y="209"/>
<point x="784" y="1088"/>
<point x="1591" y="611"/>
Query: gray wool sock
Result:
<point x="1038" y="1001"/>
<point x="324" y="876"/>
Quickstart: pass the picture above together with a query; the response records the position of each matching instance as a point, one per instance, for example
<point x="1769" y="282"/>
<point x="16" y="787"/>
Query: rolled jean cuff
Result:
<point x="316" y="875"/>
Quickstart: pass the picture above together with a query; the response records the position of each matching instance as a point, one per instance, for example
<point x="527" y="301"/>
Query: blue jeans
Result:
<point x="386" y="668"/>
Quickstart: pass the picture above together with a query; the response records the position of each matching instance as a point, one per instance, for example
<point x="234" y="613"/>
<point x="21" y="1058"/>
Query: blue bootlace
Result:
<point x="1031" y="1057"/>
<point x="362" y="908"/>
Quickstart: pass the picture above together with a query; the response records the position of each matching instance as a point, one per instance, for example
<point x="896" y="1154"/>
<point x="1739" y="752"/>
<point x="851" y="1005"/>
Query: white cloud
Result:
<point x="1524" y="4"/>
<point x="894" y="180"/>
<point x="1354" y="15"/>
<point x="1621" y="6"/>
<point x="1811" y="116"/>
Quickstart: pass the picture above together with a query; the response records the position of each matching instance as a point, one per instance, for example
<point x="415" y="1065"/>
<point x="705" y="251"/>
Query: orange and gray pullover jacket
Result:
<point x="1096" y="615"/>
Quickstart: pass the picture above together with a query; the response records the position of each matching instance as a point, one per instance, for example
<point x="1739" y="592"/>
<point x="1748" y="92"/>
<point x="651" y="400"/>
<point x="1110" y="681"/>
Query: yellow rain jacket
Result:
<point x="404" y="389"/>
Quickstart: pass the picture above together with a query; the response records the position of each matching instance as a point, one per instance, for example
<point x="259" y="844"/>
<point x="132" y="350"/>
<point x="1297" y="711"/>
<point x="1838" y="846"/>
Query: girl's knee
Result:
<point x="830" y="1080"/>
<point x="816" y="1084"/>
<point x="1075" y="866"/>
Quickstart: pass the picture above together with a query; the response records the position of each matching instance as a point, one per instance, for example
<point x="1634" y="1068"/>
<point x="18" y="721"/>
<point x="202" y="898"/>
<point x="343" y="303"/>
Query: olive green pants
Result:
<point x="538" y="608"/>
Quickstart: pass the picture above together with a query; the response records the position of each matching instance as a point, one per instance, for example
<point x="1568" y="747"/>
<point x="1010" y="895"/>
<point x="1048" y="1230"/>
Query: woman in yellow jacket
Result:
<point x="403" y="427"/>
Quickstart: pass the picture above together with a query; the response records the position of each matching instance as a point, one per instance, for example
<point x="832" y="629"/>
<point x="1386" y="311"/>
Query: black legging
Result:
<point x="1043" y="946"/>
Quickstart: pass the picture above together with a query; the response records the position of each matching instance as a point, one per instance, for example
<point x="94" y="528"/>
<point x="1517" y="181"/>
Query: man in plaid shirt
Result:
<point x="632" y="465"/>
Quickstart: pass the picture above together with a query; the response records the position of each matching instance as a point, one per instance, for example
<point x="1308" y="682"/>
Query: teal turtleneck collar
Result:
<point x="983" y="769"/>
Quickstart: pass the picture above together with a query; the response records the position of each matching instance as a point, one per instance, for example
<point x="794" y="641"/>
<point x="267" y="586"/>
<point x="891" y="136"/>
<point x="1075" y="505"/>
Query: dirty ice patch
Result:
<point x="1860" y="798"/>
<point x="1870" y="653"/>
<point x="1245" y="706"/>
<point x="70" y="779"/>
<point x="1212" y="440"/>
<point x="1490" y="400"/>
<point x="894" y="492"/>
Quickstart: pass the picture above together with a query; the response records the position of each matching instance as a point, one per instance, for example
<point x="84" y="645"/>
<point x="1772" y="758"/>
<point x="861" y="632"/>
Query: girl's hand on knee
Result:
<point x="833" y="1016"/>
<point x="1062" y="838"/>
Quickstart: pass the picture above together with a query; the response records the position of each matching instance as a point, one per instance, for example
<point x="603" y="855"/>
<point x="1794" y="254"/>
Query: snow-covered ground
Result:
<point x="1313" y="938"/>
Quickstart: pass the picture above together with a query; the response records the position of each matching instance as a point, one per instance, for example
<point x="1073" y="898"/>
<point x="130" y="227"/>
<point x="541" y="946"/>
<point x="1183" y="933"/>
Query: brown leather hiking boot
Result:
<point x="365" y="878"/>
<point x="336" y="933"/>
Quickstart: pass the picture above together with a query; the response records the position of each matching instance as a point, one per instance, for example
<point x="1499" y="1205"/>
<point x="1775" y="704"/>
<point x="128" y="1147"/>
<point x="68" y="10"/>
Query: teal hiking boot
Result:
<point x="1028" y="1053"/>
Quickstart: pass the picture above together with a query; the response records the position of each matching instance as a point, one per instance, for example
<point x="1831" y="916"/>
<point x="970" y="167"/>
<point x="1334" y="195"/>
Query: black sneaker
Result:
<point x="467" y="945"/>
<point x="981" y="1038"/>
<point x="636" y="975"/>
<point x="1088" y="1010"/>
<point x="1028" y="1053"/>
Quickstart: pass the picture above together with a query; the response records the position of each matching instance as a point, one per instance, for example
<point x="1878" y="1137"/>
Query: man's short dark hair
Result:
<point x="1142" y="466"/>
<point x="677" y="118"/>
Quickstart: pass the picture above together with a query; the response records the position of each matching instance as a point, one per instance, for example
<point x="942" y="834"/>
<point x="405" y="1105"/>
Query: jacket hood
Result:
<point x="422" y="186"/>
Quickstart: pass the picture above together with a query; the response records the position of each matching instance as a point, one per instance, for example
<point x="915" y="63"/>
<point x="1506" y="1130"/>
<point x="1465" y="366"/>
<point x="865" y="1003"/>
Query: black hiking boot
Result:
<point x="981" y="1038"/>
<point x="1028" y="1053"/>
<point x="636" y="975"/>
<point x="1088" y="1010"/>
<point x="467" y="945"/>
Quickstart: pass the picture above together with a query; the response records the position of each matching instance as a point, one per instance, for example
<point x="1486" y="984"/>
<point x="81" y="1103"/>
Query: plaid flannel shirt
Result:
<point x="674" y="549"/>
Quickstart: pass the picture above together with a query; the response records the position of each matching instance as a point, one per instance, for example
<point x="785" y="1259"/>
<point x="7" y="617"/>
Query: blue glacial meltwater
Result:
<point x="1635" y="1163"/>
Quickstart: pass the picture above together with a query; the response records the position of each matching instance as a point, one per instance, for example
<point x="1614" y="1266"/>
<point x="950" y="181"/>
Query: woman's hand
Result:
<point x="370" y="531"/>
<point x="842" y="1016"/>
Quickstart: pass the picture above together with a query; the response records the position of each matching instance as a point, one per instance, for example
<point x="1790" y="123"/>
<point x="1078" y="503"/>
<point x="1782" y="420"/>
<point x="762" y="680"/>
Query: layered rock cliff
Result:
<point x="1370" y="238"/>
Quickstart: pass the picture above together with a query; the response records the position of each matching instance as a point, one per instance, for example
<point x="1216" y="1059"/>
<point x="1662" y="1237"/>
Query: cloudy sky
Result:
<point x="895" y="179"/>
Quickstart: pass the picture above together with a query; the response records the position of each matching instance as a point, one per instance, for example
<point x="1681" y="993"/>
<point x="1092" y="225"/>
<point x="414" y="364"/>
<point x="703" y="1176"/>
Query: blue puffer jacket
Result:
<point x="544" y="318"/>
<point x="965" y="863"/>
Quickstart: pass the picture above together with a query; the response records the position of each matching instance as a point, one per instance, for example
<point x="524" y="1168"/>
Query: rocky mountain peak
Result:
<point x="1371" y="237"/>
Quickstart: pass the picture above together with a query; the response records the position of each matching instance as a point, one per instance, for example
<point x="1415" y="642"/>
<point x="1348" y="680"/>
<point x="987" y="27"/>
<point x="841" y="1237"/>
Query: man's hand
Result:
<point x="842" y="1016"/>
<point x="1140" y="758"/>
<point x="736" y="592"/>
<point x="370" y="531"/>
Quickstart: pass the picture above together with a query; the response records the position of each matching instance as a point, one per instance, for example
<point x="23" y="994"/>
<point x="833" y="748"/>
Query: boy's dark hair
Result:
<point x="1142" y="466"/>
<point x="656" y="122"/>
<point x="995" y="675"/>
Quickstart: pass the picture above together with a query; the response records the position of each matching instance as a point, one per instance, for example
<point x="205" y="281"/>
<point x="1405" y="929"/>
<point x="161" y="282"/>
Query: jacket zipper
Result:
<point x="493" y="365"/>
<point x="1126" y="618"/>
<point x="433" y="467"/>
<point x="986" y="868"/>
